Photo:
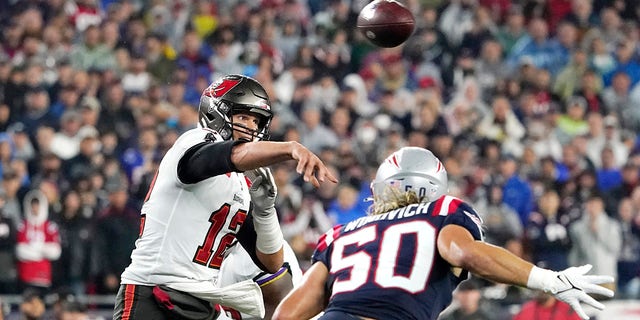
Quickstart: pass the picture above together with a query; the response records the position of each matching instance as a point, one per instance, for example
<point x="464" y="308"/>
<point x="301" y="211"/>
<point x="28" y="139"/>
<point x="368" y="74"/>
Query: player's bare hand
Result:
<point x="311" y="168"/>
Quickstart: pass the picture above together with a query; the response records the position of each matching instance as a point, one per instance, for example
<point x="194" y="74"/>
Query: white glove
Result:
<point x="265" y="220"/>
<point x="263" y="191"/>
<point x="572" y="286"/>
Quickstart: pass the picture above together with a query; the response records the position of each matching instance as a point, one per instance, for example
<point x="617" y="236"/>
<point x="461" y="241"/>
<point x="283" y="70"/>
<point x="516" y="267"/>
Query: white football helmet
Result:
<point x="412" y="168"/>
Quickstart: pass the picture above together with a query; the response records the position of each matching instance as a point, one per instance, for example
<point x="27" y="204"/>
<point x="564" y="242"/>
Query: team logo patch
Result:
<point x="238" y="199"/>
<point x="220" y="87"/>
<point x="474" y="218"/>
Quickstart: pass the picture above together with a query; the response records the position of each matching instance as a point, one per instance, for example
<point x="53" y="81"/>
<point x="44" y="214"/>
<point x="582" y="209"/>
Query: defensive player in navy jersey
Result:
<point x="198" y="202"/>
<point x="405" y="258"/>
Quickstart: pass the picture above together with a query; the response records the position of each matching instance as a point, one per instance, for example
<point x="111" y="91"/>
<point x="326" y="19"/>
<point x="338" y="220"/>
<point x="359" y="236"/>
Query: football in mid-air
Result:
<point x="386" y="23"/>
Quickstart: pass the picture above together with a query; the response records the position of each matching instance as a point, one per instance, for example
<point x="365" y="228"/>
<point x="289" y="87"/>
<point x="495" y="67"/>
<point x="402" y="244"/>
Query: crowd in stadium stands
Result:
<point x="533" y="106"/>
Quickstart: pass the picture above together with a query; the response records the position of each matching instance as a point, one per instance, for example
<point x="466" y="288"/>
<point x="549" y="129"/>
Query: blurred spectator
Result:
<point x="546" y="307"/>
<point x="32" y="306"/>
<point x="116" y="230"/>
<point x="137" y="161"/>
<point x="535" y="47"/>
<point x="120" y="116"/>
<point x="84" y="161"/>
<point x="573" y="122"/>
<point x="36" y="110"/>
<point x="73" y="310"/>
<point x="92" y="52"/>
<point x="501" y="223"/>
<point x="489" y="69"/>
<point x="618" y="101"/>
<point x="568" y="79"/>
<point x="600" y="57"/>
<point x="8" y="276"/>
<point x="302" y="233"/>
<point x="12" y="208"/>
<point x="612" y="138"/>
<point x="4" y="309"/>
<point x="629" y="260"/>
<point x="513" y="29"/>
<point x="609" y="174"/>
<point x="590" y="88"/>
<point x="38" y="243"/>
<point x="516" y="191"/>
<point x="626" y="63"/>
<point x="502" y="125"/>
<point x="23" y="149"/>
<point x="596" y="239"/>
<point x="66" y="142"/>
<point x="456" y="19"/>
<point x="136" y="79"/>
<point x="313" y="133"/>
<point x="630" y="182"/>
<point x="547" y="235"/>
<point x="543" y="140"/>
<point x="470" y="304"/>
<point x="483" y="29"/>
<point x="72" y="269"/>
<point x="193" y="58"/>
<point x="159" y="64"/>
<point x="346" y="206"/>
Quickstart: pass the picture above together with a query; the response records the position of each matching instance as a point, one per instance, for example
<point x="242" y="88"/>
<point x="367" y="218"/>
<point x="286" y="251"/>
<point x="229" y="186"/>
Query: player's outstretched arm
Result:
<point x="308" y="299"/>
<point x="274" y="292"/>
<point x="457" y="246"/>
<point x="252" y="155"/>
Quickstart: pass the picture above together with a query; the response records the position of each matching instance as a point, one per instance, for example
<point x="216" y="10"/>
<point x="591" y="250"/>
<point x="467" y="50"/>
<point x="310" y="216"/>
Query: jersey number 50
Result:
<point x="385" y="274"/>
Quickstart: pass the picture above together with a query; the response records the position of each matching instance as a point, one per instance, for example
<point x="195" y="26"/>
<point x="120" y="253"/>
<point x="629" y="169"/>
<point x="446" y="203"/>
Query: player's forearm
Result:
<point x="306" y="300"/>
<point x="496" y="264"/>
<point x="272" y="261"/>
<point x="252" y="155"/>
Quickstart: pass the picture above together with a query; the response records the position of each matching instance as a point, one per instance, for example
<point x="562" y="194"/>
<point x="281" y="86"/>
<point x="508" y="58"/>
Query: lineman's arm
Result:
<point x="457" y="246"/>
<point x="308" y="299"/>
<point x="274" y="291"/>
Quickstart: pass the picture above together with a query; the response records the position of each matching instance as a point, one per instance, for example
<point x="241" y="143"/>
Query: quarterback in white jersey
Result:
<point x="198" y="202"/>
<point x="238" y="266"/>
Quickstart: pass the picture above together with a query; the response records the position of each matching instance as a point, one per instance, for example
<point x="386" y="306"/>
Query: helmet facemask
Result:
<point x="262" y="133"/>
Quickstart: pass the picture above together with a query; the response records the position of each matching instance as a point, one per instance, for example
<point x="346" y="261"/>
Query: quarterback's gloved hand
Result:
<point x="263" y="191"/>
<point x="572" y="286"/>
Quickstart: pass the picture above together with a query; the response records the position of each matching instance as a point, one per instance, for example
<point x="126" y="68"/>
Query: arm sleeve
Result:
<point x="247" y="237"/>
<point x="205" y="160"/>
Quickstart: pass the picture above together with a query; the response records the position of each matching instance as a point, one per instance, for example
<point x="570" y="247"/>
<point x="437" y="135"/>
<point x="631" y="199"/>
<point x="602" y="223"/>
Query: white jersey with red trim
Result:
<point x="186" y="228"/>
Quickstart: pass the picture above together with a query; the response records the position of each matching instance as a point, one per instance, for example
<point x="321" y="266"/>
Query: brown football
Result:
<point x="386" y="23"/>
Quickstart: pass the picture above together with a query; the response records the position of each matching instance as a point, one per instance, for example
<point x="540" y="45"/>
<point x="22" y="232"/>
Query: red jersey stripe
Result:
<point x="129" y="295"/>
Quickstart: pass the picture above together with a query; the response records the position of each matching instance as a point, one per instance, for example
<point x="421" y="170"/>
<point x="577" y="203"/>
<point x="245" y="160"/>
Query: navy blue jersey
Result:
<point x="387" y="266"/>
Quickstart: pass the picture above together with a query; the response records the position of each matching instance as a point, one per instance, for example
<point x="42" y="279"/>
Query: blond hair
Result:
<point x="392" y="198"/>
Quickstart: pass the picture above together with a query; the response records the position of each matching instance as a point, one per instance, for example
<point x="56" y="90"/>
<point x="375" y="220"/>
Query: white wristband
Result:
<point x="541" y="279"/>
<point x="269" y="239"/>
